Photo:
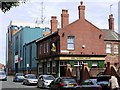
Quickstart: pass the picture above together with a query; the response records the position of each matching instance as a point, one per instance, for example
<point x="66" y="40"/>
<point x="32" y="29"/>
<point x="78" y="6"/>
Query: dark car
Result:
<point x="18" y="77"/>
<point x="63" y="83"/>
<point x="101" y="80"/>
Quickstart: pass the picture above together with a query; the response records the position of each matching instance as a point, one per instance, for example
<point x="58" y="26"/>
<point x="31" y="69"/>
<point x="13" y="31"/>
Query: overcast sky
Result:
<point x="97" y="12"/>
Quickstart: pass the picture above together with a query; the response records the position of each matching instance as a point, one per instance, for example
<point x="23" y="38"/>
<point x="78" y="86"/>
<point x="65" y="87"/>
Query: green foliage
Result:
<point x="6" y="5"/>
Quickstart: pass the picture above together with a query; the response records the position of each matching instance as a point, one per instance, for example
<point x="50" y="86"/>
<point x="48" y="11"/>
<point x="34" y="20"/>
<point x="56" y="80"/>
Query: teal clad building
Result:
<point x="24" y="48"/>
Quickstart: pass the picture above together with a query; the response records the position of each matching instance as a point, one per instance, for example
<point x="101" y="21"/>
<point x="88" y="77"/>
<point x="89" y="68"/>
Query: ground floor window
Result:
<point x="53" y="67"/>
<point x="48" y="68"/>
<point x="94" y="64"/>
<point x="40" y="71"/>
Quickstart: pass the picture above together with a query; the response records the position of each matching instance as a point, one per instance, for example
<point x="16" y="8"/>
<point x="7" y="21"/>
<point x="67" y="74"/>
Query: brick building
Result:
<point x="112" y="41"/>
<point x="75" y="43"/>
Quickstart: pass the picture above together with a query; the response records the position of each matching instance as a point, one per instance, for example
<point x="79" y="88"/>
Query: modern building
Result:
<point x="24" y="34"/>
<point x="73" y="44"/>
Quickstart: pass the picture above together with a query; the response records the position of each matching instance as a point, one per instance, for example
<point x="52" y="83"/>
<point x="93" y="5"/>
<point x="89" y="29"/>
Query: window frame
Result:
<point x="108" y="48"/>
<point x="71" y="42"/>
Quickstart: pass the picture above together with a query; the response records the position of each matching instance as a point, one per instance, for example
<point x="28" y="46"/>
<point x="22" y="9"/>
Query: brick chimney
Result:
<point x="111" y="22"/>
<point x="64" y="18"/>
<point x="81" y="10"/>
<point x="54" y="24"/>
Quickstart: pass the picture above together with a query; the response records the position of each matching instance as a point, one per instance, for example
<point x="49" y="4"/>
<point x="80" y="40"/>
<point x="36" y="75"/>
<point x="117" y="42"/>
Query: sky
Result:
<point x="96" y="11"/>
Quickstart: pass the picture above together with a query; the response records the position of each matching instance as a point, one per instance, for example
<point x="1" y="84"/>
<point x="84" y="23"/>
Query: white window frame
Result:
<point x="116" y="49"/>
<point x="109" y="48"/>
<point x="44" y="47"/>
<point x="48" y="67"/>
<point x="40" y="68"/>
<point x="47" y="47"/>
<point x="40" y="49"/>
<point x="71" y="41"/>
<point x="53" y="67"/>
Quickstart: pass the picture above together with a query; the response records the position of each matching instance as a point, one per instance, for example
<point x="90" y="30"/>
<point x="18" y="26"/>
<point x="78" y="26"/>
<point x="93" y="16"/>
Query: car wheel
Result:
<point x="43" y="86"/>
<point x="23" y="83"/>
<point x="37" y="86"/>
<point x="58" y="88"/>
<point x="50" y="88"/>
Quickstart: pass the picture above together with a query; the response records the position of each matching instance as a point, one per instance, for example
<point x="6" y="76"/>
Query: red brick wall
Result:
<point x="112" y="58"/>
<point x="85" y="34"/>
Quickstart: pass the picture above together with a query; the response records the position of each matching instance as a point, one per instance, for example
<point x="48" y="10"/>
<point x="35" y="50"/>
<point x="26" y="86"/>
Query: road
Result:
<point x="10" y="85"/>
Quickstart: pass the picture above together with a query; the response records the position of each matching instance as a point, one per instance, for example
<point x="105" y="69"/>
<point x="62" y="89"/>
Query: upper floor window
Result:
<point x="108" y="48"/>
<point x="116" y="49"/>
<point x="44" y="47"/>
<point x="47" y="47"/>
<point x="70" y="42"/>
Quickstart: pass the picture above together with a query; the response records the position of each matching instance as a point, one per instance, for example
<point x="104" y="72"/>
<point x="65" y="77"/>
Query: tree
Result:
<point x="6" y="5"/>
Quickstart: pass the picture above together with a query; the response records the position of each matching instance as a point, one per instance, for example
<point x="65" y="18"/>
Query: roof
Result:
<point x="28" y="24"/>
<point x="111" y="35"/>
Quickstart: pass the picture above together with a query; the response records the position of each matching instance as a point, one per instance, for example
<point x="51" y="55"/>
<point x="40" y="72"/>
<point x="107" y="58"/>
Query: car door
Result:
<point x="41" y="81"/>
<point x="25" y="79"/>
<point x="57" y="83"/>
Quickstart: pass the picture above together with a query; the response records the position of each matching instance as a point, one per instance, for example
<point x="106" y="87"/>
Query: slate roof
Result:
<point x="111" y="35"/>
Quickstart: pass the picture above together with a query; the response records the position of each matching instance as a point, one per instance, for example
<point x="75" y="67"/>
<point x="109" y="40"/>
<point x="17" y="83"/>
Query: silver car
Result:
<point x="44" y="81"/>
<point x="3" y="76"/>
<point x="30" y="79"/>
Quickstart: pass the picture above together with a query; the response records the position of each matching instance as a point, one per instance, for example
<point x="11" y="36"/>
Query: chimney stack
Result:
<point x="54" y="24"/>
<point x="81" y="10"/>
<point x="64" y="18"/>
<point x="111" y="22"/>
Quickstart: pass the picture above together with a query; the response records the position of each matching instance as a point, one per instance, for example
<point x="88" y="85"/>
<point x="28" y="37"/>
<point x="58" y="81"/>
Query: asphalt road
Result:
<point x="10" y="85"/>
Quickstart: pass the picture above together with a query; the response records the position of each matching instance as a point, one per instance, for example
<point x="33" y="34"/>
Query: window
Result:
<point x="47" y="47"/>
<point x="48" y="67"/>
<point x="44" y="46"/>
<point x="94" y="64"/>
<point x="53" y="67"/>
<point x="40" y="68"/>
<point x="40" y="49"/>
<point x="108" y="48"/>
<point x="116" y="49"/>
<point x="70" y="42"/>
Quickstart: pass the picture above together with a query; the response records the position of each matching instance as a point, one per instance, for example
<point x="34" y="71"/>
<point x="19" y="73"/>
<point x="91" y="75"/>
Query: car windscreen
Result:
<point x="31" y="77"/>
<point x="103" y="78"/>
<point x="2" y="73"/>
<point x="19" y="74"/>
<point x="48" y="77"/>
<point x="69" y="80"/>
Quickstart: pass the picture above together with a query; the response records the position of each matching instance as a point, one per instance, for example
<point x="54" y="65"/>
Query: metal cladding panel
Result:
<point x="30" y="34"/>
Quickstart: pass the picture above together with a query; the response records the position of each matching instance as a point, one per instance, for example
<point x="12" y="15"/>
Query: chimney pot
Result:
<point x="111" y="22"/>
<point x="54" y="24"/>
<point x="81" y="9"/>
<point x="64" y="18"/>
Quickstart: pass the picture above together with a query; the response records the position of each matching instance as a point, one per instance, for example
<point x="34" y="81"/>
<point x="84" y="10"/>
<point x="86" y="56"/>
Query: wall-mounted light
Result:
<point x="83" y="46"/>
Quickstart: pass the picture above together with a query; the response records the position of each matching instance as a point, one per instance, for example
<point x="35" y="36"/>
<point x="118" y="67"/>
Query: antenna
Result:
<point x="42" y="18"/>
<point x="110" y="8"/>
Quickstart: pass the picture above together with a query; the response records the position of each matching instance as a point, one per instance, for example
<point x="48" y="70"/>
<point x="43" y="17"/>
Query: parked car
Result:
<point x="63" y="83"/>
<point x="30" y="79"/>
<point x="19" y="77"/>
<point x="45" y="80"/>
<point x="3" y="76"/>
<point x="88" y="87"/>
<point x="101" y="80"/>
